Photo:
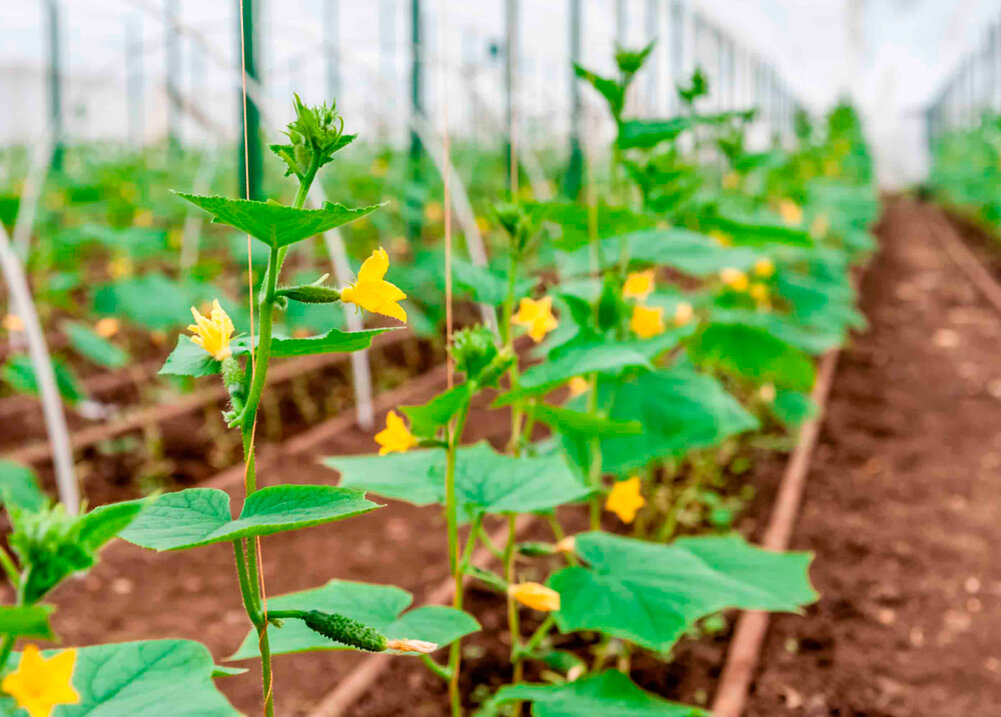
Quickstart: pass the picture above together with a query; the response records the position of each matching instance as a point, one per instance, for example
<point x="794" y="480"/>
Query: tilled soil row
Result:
<point x="901" y="505"/>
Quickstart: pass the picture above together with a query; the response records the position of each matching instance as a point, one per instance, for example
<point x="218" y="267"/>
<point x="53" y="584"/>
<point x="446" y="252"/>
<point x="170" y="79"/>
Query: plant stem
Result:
<point x="594" y="467"/>
<point x="10" y="568"/>
<point x="5" y="649"/>
<point x="512" y="605"/>
<point x="452" y="526"/>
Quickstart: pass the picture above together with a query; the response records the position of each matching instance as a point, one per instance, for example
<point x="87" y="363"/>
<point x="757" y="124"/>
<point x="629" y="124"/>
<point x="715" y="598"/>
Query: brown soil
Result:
<point x="901" y="507"/>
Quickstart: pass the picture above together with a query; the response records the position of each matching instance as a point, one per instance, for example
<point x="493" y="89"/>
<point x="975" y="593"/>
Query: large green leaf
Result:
<point x="564" y="420"/>
<point x="485" y="285"/>
<point x="159" y="303"/>
<point x="813" y="339"/>
<point x="275" y="224"/>
<point x="201" y="516"/>
<point x="378" y="606"/>
<point x="578" y="360"/>
<point x="19" y="486"/>
<point x="644" y="134"/>
<point x="689" y="252"/>
<point x="189" y="359"/>
<point x="650" y="594"/>
<point x="154" y="678"/>
<point x="680" y="409"/>
<point x="26" y="621"/>
<point x="606" y="693"/>
<point x="19" y="373"/>
<point x="485" y="480"/>
<point x="93" y="347"/>
<point x="753" y="353"/>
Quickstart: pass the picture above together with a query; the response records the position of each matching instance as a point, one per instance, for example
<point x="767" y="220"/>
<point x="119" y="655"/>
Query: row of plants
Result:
<point x="964" y="171"/>
<point x="674" y="313"/>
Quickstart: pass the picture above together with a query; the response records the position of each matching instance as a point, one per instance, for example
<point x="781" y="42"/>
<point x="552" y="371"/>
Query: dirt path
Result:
<point x="902" y="506"/>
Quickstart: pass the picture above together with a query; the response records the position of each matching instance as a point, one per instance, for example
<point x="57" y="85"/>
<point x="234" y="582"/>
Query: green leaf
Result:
<point x="651" y="594"/>
<point x="607" y="357"/>
<point x="754" y="354"/>
<point x="378" y="606"/>
<point x="93" y="347"/>
<point x="814" y="340"/>
<point x="201" y="516"/>
<point x="153" y="677"/>
<point x="485" y="481"/>
<point x="159" y="303"/>
<point x="427" y="419"/>
<point x="680" y="410"/>
<point x="611" y="90"/>
<point x="606" y="693"/>
<point x="793" y="408"/>
<point x="19" y="373"/>
<point x="19" y="486"/>
<point x="276" y="224"/>
<point x="190" y="359"/>
<point x="486" y="286"/>
<point x="564" y="420"/>
<point x="106" y="521"/>
<point x="643" y="134"/>
<point x="28" y="621"/>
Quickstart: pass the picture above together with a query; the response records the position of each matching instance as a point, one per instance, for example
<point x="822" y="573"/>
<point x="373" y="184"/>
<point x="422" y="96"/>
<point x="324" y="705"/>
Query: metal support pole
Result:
<point x="677" y="51"/>
<point x="332" y="47"/>
<point x="621" y="23"/>
<point x="511" y="49"/>
<point x="172" y="46"/>
<point x="575" y="169"/>
<point x="653" y="66"/>
<point x="134" y="78"/>
<point x="414" y="219"/>
<point x="251" y="159"/>
<point x="55" y="84"/>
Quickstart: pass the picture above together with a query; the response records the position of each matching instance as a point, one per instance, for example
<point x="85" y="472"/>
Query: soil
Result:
<point x="901" y="506"/>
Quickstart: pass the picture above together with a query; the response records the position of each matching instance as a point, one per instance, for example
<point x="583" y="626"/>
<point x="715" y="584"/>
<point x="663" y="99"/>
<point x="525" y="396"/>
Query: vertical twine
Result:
<point x="250" y="301"/>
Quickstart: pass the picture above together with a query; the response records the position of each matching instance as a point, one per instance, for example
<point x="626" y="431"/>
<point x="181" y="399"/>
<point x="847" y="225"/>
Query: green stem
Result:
<point x="5" y="649"/>
<point x="246" y="586"/>
<point x="10" y="568"/>
<point x="594" y="467"/>
<point x="452" y="527"/>
<point x="539" y="635"/>
<point x="441" y="671"/>
<point x="512" y="606"/>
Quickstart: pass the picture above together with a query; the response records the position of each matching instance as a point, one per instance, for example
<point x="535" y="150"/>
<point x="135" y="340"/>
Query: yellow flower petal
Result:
<point x="39" y="685"/>
<point x="535" y="596"/>
<point x="639" y="285"/>
<point x="721" y="238"/>
<point x="372" y="292"/>
<point x="395" y="437"/>
<point x="759" y="292"/>
<point x="647" y="322"/>
<point x="683" y="313"/>
<point x="791" y="213"/>
<point x="579" y="386"/>
<point x="735" y="279"/>
<point x="214" y="332"/>
<point x="13" y="322"/>
<point x="764" y="268"/>
<point x="107" y="327"/>
<point x="536" y="316"/>
<point x="625" y="499"/>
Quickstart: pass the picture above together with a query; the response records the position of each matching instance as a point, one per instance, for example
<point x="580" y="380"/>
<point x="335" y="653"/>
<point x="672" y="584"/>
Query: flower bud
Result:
<point x="474" y="350"/>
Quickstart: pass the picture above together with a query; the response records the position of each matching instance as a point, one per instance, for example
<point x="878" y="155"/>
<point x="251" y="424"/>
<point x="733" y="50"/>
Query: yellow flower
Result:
<point x="535" y="596"/>
<point x="433" y="212"/>
<point x="820" y="227"/>
<point x="13" y="322"/>
<point x="536" y="316"/>
<point x="625" y="499"/>
<point x="395" y="437"/>
<point x="647" y="322"/>
<point x="213" y="333"/>
<point x="764" y="268"/>
<point x="767" y="392"/>
<point x="379" y="167"/>
<point x="107" y="327"/>
<point x="373" y="293"/>
<point x="722" y="238"/>
<point x="143" y="219"/>
<point x="639" y="285"/>
<point x="482" y="224"/>
<point x="791" y="213"/>
<point x="39" y="685"/>
<point x="759" y="292"/>
<point x="120" y="267"/>
<point x="579" y="386"/>
<point x="734" y="278"/>
<point x="731" y="181"/>
<point x="683" y="313"/>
